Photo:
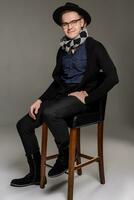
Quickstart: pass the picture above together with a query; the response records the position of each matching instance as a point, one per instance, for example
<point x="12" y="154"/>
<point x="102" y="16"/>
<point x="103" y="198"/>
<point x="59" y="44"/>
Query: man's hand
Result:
<point x="34" y="109"/>
<point x="80" y="95"/>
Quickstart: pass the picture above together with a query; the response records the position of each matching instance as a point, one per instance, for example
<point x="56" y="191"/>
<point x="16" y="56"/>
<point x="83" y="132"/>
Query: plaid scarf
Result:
<point x="70" y="45"/>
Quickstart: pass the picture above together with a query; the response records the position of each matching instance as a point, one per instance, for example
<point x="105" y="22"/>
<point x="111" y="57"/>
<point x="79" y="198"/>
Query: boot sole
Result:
<point x="53" y="176"/>
<point x="25" y="185"/>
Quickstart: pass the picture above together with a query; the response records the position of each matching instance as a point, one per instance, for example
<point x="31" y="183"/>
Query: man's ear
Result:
<point x="83" y="23"/>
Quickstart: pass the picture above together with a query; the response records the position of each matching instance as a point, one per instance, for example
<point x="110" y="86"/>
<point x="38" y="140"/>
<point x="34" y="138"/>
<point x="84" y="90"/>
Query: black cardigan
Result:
<point x="97" y="60"/>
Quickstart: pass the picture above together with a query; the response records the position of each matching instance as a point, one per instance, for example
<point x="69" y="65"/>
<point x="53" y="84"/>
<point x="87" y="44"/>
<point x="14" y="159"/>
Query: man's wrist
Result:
<point x="38" y="100"/>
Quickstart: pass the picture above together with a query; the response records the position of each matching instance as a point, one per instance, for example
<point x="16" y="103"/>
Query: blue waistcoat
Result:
<point x="74" y="65"/>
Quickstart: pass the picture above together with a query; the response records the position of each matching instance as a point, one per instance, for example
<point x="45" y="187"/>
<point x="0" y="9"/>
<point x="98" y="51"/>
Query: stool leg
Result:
<point x="78" y="161"/>
<point x="72" y="147"/>
<point x="100" y="152"/>
<point x="43" y="155"/>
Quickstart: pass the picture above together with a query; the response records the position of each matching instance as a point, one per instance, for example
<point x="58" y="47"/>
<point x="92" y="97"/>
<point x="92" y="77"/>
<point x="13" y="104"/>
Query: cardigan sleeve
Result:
<point x="111" y="78"/>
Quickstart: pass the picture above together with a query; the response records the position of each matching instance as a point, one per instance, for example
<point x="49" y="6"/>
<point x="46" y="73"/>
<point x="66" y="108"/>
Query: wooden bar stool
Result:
<point x="94" y="116"/>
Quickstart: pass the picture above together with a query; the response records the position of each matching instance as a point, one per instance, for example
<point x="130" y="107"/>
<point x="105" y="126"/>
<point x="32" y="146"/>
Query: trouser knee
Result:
<point x="19" y="125"/>
<point x="22" y="125"/>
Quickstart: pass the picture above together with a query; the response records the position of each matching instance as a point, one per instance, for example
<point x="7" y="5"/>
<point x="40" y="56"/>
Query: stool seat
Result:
<point x="83" y="119"/>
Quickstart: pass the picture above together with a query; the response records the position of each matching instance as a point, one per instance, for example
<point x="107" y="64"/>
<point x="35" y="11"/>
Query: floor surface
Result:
<point x="119" y="169"/>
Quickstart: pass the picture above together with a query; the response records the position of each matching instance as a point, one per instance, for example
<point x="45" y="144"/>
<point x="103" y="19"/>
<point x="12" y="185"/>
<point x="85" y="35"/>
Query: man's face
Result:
<point x="71" y="24"/>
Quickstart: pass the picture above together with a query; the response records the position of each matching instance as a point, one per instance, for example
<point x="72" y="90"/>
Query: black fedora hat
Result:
<point x="71" y="7"/>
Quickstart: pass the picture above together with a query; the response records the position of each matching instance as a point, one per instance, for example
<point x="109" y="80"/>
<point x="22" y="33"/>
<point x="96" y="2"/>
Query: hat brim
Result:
<point x="58" y="13"/>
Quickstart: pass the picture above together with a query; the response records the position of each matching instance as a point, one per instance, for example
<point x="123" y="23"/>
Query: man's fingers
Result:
<point x="36" y="110"/>
<point x="31" y="113"/>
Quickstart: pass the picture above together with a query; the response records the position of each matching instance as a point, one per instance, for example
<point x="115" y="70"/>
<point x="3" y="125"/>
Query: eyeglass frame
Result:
<point x="73" y="23"/>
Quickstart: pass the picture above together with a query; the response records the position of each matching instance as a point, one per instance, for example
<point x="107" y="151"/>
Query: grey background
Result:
<point x="29" y="40"/>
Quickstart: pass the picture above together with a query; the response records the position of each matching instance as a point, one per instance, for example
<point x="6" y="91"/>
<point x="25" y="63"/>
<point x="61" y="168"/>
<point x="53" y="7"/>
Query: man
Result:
<point x="74" y="88"/>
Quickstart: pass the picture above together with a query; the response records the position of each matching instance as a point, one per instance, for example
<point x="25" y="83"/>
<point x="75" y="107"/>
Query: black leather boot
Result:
<point x="61" y="164"/>
<point x="33" y="177"/>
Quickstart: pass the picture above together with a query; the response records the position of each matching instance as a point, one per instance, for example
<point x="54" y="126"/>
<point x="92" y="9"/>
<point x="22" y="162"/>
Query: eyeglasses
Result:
<point x="72" y="23"/>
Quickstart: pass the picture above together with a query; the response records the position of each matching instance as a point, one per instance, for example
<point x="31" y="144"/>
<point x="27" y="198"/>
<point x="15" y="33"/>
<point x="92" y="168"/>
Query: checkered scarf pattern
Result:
<point x="71" y="44"/>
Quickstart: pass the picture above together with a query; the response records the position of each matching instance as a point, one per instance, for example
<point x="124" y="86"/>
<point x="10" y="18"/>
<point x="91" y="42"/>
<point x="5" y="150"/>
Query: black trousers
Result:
<point x="54" y="113"/>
